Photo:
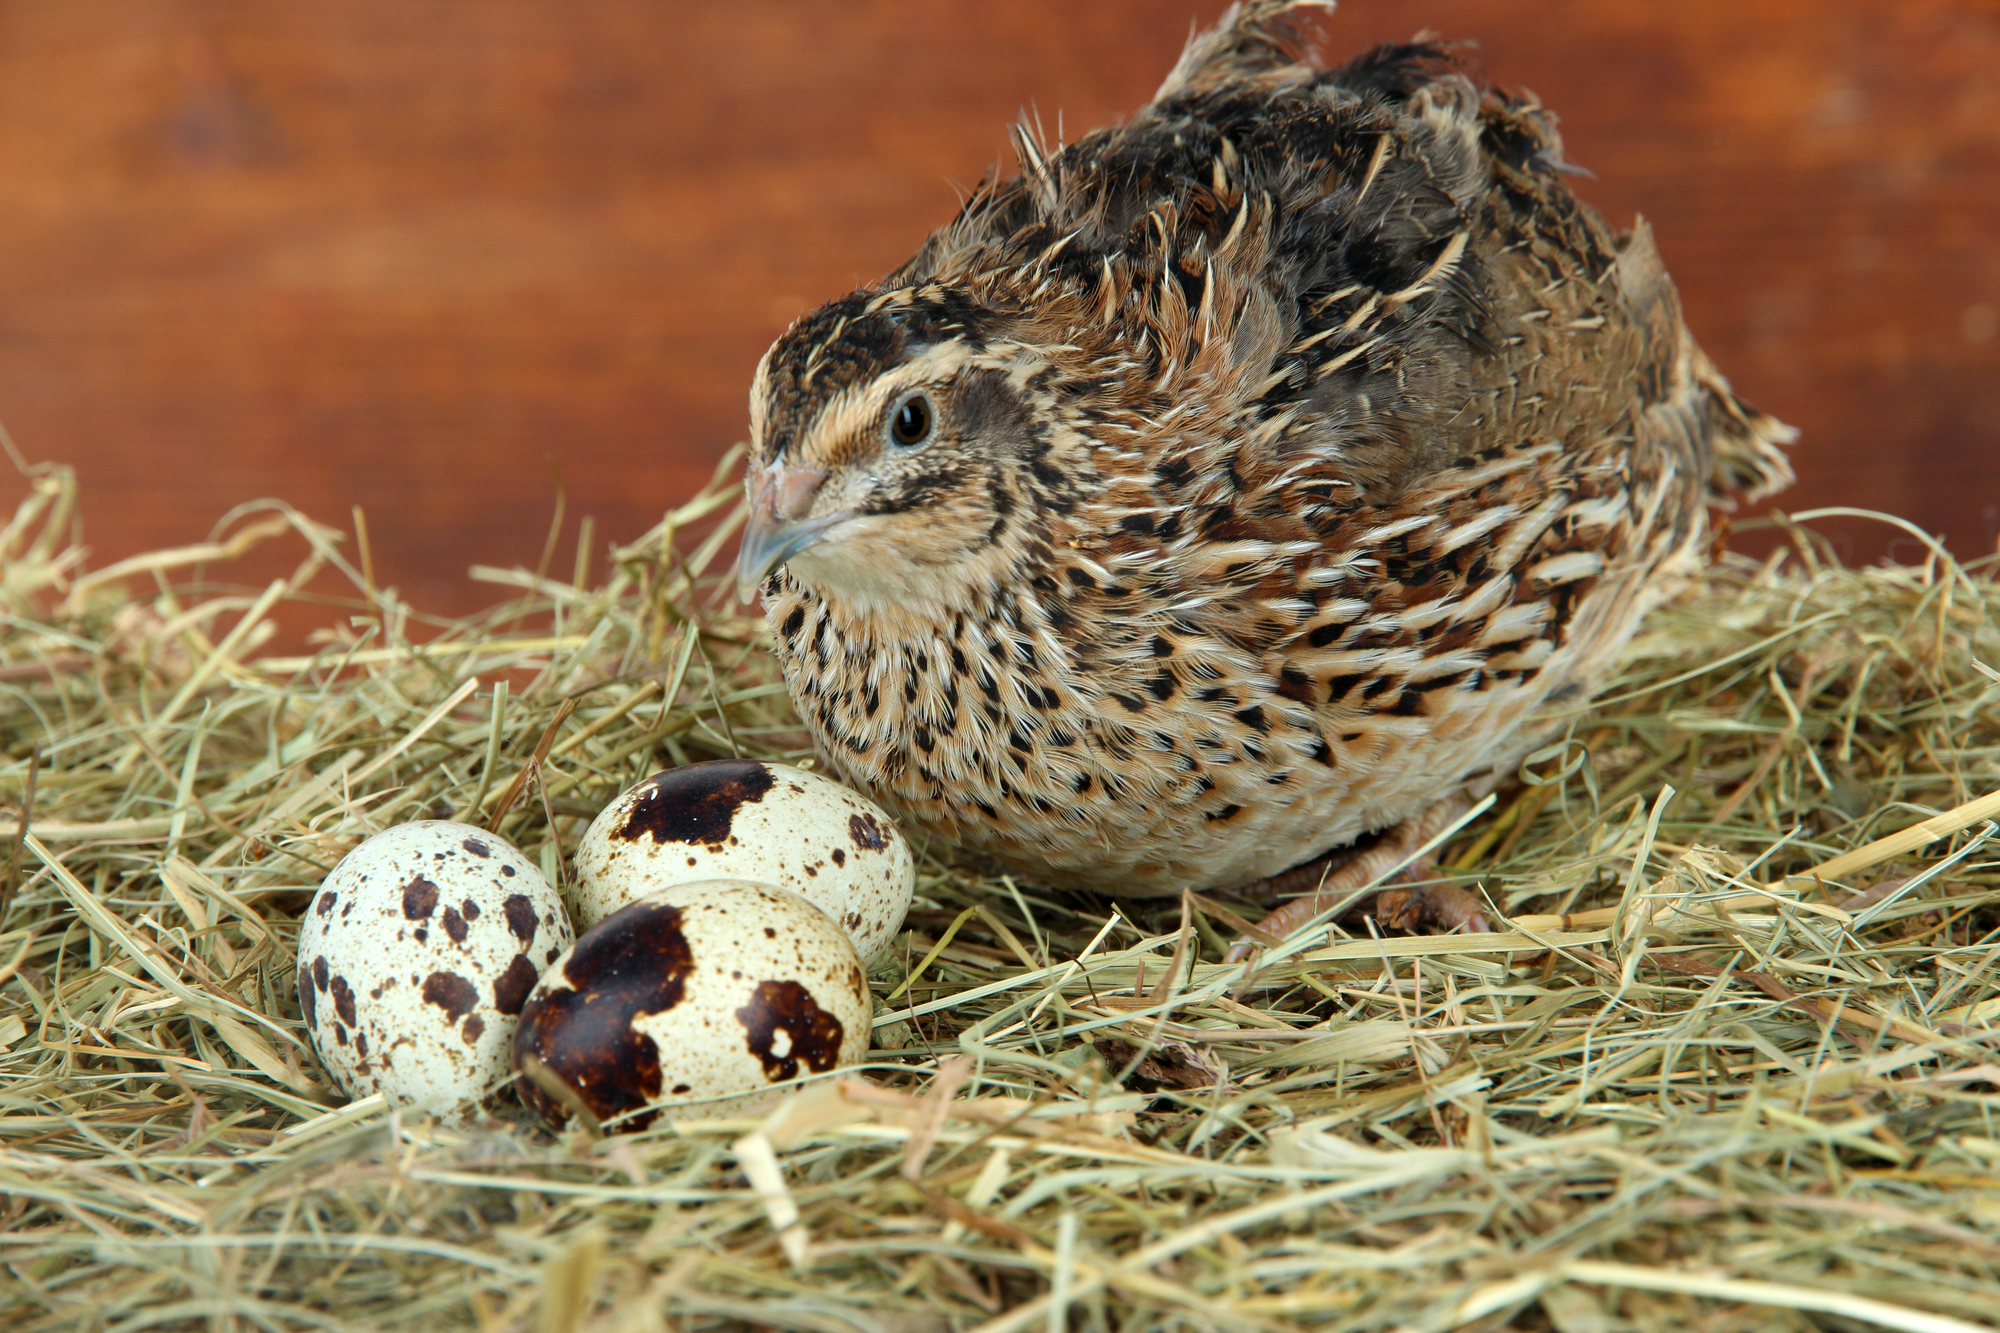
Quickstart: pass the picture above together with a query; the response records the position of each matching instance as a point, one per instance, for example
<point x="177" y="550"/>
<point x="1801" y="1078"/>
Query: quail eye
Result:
<point x="910" y="426"/>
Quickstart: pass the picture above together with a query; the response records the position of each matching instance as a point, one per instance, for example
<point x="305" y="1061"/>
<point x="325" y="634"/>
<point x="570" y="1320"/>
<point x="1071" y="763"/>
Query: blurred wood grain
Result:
<point x="421" y="256"/>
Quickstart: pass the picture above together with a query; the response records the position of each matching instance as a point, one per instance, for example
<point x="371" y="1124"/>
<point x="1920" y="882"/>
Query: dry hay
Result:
<point x="1712" y="1097"/>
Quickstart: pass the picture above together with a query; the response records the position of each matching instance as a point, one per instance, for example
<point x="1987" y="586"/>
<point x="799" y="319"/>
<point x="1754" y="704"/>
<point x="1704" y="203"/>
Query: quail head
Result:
<point x="1238" y="481"/>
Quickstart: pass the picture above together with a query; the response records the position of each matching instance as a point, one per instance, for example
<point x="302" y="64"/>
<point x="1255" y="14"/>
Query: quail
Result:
<point x="1233" y="484"/>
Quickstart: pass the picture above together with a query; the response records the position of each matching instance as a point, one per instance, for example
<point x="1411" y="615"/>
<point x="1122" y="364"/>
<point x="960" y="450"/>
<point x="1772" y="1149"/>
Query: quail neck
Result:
<point x="1238" y="480"/>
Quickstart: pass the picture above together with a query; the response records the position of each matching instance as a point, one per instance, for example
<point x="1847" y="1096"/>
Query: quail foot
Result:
<point x="1238" y="481"/>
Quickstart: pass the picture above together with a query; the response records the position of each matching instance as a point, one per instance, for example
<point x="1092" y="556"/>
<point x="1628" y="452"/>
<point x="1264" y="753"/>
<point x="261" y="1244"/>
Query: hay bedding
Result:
<point x="1708" y="1097"/>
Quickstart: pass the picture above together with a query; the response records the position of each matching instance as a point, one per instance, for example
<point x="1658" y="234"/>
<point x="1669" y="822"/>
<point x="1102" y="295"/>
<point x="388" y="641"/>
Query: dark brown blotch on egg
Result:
<point x="696" y="802"/>
<point x="307" y="996"/>
<point x="867" y="832"/>
<point x="520" y="917"/>
<point x="814" y="1034"/>
<point x="470" y="909"/>
<point x="451" y="993"/>
<point x="510" y="988"/>
<point x="454" y="925"/>
<point x="474" y="1027"/>
<point x="343" y="1000"/>
<point x="634" y="962"/>
<point x="477" y="848"/>
<point x="326" y="902"/>
<point x="320" y="971"/>
<point x="420" y="899"/>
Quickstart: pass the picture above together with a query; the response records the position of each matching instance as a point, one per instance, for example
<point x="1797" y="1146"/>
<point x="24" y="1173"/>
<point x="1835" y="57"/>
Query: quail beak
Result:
<point x="779" y="529"/>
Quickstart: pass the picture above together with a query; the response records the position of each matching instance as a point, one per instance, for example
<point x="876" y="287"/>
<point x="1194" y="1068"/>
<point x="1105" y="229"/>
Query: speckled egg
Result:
<point x="724" y="990"/>
<point x="415" y="958"/>
<point x="741" y="819"/>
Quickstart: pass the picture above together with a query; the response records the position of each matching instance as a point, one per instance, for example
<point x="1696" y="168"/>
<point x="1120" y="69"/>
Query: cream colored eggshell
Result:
<point x="415" y="958"/>
<point x="722" y="990"/>
<point x="743" y="819"/>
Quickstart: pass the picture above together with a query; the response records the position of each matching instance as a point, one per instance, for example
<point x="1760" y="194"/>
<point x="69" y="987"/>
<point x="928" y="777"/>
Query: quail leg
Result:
<point x="1432" y="909"/>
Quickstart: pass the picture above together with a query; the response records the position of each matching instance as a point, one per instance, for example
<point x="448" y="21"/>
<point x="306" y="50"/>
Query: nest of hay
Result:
<point x="1732" y="1065"/>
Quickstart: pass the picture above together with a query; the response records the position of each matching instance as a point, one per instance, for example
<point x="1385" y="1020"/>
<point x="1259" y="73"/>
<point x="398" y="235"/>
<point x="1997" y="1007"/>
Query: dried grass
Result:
<point x="1722" y="1092"/>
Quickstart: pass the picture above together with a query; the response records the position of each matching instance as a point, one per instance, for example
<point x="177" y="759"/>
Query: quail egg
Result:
<point x="743" y="819"/>
<point x="702" y="998"/>
<point x="415" y="958"/>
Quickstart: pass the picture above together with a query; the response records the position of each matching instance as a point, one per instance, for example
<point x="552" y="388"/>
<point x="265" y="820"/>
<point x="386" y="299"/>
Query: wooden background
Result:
<point x="414" y="255"/>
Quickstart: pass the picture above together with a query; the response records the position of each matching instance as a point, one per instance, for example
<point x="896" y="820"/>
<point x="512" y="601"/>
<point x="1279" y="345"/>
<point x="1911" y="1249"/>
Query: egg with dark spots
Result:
<point x="704" y="999"/>
<point x="414" y="987"/>
<point x="745" y="819"/>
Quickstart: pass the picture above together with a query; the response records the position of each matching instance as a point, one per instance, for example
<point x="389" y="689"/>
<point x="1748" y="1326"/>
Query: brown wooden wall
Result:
<point x="410" y="253"/>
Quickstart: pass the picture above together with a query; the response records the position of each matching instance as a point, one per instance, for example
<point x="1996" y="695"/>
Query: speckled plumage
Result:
<point x="1292" y="447"/>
